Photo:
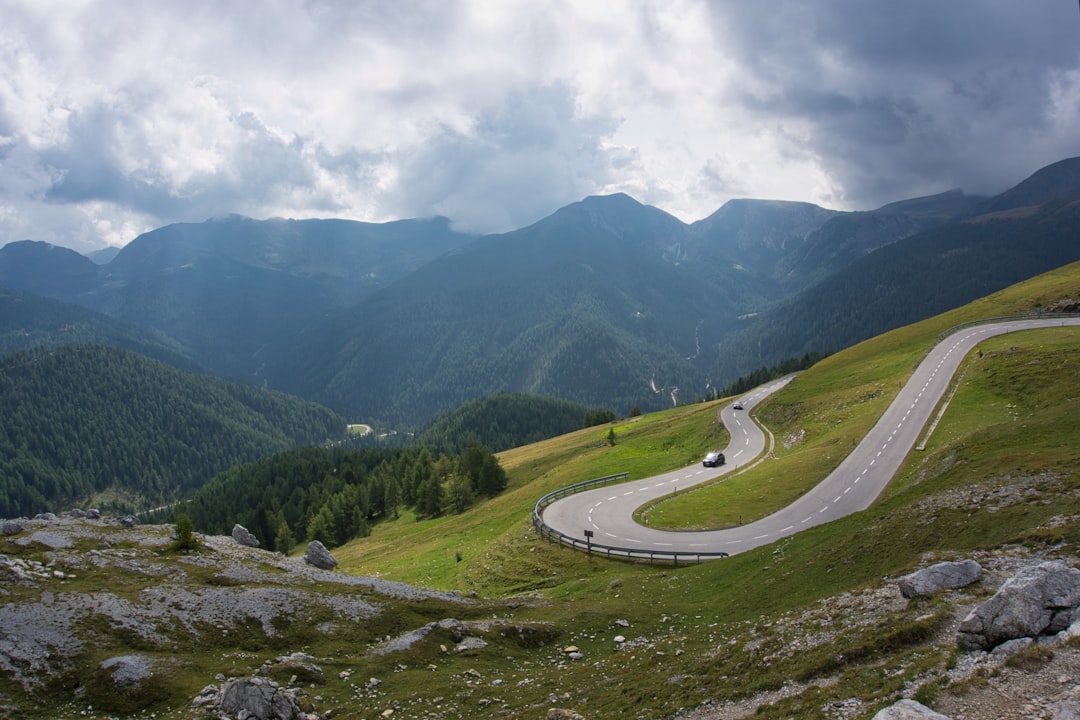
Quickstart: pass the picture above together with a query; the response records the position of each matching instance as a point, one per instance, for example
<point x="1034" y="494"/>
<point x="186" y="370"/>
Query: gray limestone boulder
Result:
<point x="1010" y="647"/>
<point x="127" y="671"/>
<point x="1039" y="600"/>
<point x="942" y="576"/>
<point x="10" y="527"/>
<point x="909" y="710"/>
<point x="241" y="535"/>
<point x="563" y="714"/>
<point x="259" y="698"/>
<point x="1067" y="708"/>
<point x="319" y="556"/>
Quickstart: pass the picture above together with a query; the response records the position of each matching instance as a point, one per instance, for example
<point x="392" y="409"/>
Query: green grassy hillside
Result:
<point x="815" y="420"/>
<point x="999" y="473"/>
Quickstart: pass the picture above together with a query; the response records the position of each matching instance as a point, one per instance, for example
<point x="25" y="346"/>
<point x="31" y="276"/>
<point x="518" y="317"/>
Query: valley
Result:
<point x="810" y="626"/>
<point x="442" y="607"/>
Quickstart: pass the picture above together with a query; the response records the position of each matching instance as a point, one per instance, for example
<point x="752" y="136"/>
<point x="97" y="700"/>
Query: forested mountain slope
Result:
<point x="1053" y="181"/>
<point x="28" y="321"/>
<point x="502" y="421"/>
<point x="583" y="306"/>
<point x="96" y="424"/>
<point x="925" y="274"/>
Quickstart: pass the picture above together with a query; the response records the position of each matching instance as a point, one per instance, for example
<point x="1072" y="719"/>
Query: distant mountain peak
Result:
<point x="23" y="261"/>
<point x="230" y="218"/>
<point x="38" y="248"/>
<point x="617" y="206"/>
<point x="755" y="203"/>
<point x="1046" y="184"/>
<point x="618" y="197"/>
<point x="943" y="206"/>
<point x="745" y="224"/>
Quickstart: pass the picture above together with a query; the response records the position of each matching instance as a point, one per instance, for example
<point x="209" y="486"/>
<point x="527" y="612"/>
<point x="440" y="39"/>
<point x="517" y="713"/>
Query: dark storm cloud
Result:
<point x="905" y="98"/>
<point x="118" y="118"/>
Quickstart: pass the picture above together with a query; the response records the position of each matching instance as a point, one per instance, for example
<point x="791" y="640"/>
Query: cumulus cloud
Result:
<point x="117" y="119"/>
<point x="516" y="163"/>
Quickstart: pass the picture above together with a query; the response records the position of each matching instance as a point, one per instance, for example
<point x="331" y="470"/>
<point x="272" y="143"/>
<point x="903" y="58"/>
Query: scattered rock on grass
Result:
<point x="319" y="556"/>
<point x="259" y="699"/>
<point x="942" y="576"/>
<point x="127" y="671"/>
<point x="909" y="710"/>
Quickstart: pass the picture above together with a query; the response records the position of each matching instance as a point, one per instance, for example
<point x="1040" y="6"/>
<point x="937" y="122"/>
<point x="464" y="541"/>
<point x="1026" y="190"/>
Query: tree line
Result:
<point x="765" y="374"/>
<point x="507" y="420"/>
<point x="334" y="494"/>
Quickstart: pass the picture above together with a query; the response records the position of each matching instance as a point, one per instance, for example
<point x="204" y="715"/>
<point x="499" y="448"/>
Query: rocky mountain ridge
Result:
<point x="606" y="301"/>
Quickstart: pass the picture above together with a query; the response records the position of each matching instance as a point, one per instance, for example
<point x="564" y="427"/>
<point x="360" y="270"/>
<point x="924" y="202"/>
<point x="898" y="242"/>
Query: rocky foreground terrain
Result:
<point x="105" y="618"/>
<point x="1033" y="675"/>
<point x="107" y="612"/>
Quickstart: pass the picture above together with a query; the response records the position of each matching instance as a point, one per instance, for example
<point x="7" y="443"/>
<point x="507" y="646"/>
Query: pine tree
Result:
<point x="459" y="494"/>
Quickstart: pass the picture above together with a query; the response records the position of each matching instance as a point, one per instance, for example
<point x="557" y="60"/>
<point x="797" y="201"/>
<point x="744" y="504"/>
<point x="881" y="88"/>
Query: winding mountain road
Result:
<point x="858" y="480"/>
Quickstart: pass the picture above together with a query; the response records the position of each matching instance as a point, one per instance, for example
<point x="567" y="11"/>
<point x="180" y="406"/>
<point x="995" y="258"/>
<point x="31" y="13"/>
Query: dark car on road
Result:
<point x="713" y="459"/>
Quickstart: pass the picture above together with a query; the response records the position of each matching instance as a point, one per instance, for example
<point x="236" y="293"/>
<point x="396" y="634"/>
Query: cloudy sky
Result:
<point x="117" y="117"/>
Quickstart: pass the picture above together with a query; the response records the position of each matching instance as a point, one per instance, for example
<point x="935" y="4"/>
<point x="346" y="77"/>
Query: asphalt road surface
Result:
<point x="853" y="486"/>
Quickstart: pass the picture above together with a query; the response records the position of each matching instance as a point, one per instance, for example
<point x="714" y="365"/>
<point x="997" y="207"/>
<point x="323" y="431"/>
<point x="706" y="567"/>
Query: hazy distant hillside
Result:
<point x="1052" y="181"/>
<point x="345" y="259"/>
<point x="925" y="274"/>
<point x="28" y="321"/>
<point x="756" y="234"/>
<point x="233" y="291"/>
<point x="845" y="238"/>
<point x="97" y="424"/>
<point x="585" y="305"/>
<point x="104" y="256"/>
<point x="47" y="270"/>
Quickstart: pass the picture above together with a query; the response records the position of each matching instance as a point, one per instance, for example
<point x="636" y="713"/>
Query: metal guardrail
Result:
<point x="972" y="323"/>
<point x="609" y="551"/>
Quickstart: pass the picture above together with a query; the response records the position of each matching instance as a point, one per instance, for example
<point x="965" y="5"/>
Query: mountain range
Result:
<point x="606" y="302"/>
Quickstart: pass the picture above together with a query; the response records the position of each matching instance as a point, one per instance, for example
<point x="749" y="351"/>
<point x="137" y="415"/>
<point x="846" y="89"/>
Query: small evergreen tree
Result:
<point x="321" y="527"/>
<point x="492" y="480"/>
<point x="185" y="534"/>
<point x="283" y="539"/>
